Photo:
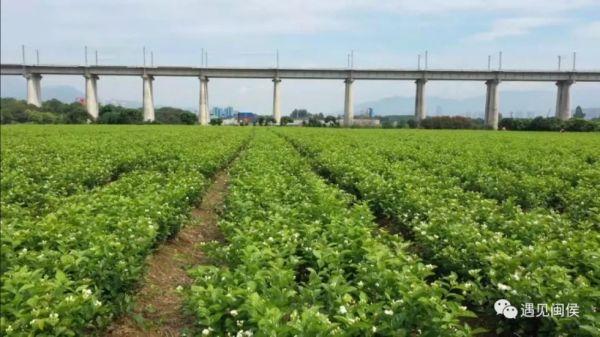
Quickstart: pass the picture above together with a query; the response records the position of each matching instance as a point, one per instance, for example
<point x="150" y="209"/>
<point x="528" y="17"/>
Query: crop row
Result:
<point x="69" y="270"/>
<point x="301" y="259"/>
<point x="498" y="253"/>
<point x="552" y="176"/>
<point x="529" y="227"/>
<point x="556" y="174"/>
<point x="42" y="166"/>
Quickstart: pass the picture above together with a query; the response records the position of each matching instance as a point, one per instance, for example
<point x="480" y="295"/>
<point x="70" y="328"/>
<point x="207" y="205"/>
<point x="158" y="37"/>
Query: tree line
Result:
<point x="56" y="112"/>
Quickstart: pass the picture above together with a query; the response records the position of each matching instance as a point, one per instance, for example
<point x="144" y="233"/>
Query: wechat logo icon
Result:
<point x="503" y="307"/>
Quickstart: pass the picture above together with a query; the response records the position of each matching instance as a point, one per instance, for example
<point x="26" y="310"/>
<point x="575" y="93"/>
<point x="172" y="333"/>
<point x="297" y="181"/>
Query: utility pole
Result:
<point x="574" y="59"/>
<point x="419" y="62"/>
<point x="352" y="59"/>
<point x="152" y="59"/>
<point x="144" y="51"/>
<point x="426" y="60"/>
<point x="277" y="58"/>
<point x="37" y="56"/>
<point x="500" y="60"/>
<point x="489" y="62"/>
<point x="86" y="54"/>
<point x="23" y="53"/>
<point x="202" y="58"/>
<point x="559" y="60"/>
<point x="96" y="54"/>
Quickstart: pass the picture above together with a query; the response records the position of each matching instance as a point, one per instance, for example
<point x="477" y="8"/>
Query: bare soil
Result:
<point x="158" y="306"/>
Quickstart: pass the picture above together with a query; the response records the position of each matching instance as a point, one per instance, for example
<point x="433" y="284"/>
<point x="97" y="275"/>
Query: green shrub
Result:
<point x="450" y="122"/>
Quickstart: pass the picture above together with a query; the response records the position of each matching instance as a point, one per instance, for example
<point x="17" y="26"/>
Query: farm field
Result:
<point x="326" y="232"/>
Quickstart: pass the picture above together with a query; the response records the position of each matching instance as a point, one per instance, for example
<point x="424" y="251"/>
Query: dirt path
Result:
<point x="158" y="306"/>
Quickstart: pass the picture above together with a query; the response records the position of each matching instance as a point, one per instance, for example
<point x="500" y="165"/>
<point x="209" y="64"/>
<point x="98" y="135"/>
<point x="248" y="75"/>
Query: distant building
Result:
<point x="297" y="122"/>
<point x="230" y="121"/>
<point x="370" y="112"/>
<point x="228" y="112"/>
<point x="366" y="122"/>
<point x="246" y="117"/>
<point x="216" y="112"/>
<point x="219" y="112"/>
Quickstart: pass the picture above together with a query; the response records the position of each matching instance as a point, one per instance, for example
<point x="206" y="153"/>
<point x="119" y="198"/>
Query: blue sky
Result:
<point x="309" y="33"/>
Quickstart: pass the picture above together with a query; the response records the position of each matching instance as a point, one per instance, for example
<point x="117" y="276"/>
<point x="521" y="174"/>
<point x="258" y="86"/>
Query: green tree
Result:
<point x="113" y="114"/>
<point x="170" y="115"/>
<point x="75" y="113"/>
<point x="579" y="112"/>
<point x="285" y="120"/>
<point x="299" y="114"/>
<point x="332" y="120"/>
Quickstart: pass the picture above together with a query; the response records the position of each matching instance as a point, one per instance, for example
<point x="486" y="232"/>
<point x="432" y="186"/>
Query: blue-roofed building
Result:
<point x="246" y="117"/>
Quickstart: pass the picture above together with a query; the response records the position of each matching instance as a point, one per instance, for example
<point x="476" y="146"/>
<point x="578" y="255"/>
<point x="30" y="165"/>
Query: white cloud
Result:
<point x="451" y="6"/>
<point x="308" y="32"/>
<point x="589" y="31"/>
<point x="514" y="27"/>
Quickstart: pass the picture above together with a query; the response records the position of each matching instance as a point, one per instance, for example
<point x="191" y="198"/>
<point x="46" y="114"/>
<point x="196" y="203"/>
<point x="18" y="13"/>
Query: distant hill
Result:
<point x="591" y="112"/>
<point x="13" y="87"/>
<point x="520" y="103"/>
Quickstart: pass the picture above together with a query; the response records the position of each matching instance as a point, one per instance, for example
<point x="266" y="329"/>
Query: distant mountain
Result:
<point x="11" y="86"/>
<point x="14" y="87"/>
<point x="519" y="103"/>
<point x="591" y="113"/>
<point x="515" y="103"/>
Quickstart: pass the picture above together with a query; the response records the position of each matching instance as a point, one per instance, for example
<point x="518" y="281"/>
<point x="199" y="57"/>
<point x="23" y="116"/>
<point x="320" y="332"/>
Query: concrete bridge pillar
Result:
<point x="420" y="110"/>
<point x="348" y="104"/>
<point x="34" y="89"/>
<point x="492" y="104"/>
<point x="91" y="96"/>
<point x="276" y="105"/>
<point x="563" y="100"/>
<point x="203" y="116"/>
<point x="148" y="99"/>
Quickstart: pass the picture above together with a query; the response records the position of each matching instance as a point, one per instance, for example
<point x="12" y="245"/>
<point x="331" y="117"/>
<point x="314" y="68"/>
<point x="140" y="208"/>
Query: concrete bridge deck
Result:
<point x="307" y="73"/>
<point x="491" y="78"/>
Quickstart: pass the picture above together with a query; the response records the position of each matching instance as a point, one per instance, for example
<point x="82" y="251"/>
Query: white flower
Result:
<point x="361" y="283"/>
<point x="388" y="312"/>
<point x="86" y="293"/>
<point x="503" y="287"/>
<point x="374" y="329"/>
<point x="343" y="310"/>
<point x="205" y="332"/>
<point x="32" y="322"/>
<point x="233" y="313"/>
<point x="249" y="333"/>
<point x="179" y="288"/>
<point x="97" y="303"/>
<point x="9" y="329"/>
<point x="239" y="323"/>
